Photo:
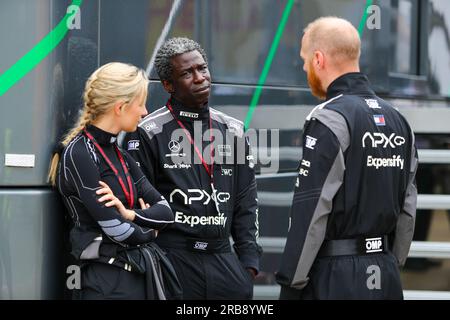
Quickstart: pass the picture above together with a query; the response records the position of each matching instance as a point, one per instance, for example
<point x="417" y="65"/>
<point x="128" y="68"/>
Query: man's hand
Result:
<point x="252" y="272"/>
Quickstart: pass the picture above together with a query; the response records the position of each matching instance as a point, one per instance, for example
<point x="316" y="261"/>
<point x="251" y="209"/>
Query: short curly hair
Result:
<point x="171" y="48"/>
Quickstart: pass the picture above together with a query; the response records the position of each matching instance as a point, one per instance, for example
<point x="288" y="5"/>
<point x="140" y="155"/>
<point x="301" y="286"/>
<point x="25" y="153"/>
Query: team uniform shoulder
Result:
<point x="153" y="123"/>
<point x="79" y="149"/>
<point x="234" y="125"/>
<point x="77" y="159"/>
<point x="332" y="119"/>
<point x="321" y="106"/>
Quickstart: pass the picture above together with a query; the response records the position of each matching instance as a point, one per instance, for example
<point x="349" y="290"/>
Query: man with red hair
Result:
<point x="353" y="212"/>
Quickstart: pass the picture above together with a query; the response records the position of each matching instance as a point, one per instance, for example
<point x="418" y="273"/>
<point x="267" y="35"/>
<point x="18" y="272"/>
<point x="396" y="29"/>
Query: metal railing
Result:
<point x="433" y="156"/>
<point x="272" y="292"/>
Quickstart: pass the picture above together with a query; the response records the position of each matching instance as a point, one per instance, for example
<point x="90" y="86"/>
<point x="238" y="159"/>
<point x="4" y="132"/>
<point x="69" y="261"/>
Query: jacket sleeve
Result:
<point x="144" y="152"/>
<point x="321" y="172"/>
<point x="244" y="228"/>
<point x="405" y="224"/>
<point x="159" y="214"/>
<point x="81" y="174"/>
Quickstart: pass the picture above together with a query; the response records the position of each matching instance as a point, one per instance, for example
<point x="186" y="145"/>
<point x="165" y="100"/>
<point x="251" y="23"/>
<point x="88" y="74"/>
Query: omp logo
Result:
<point x="133" y="145"/>
<point x="374" y="245"/>
<point x="199" y="245"/>
<point x="150" y="126"/>
<point x="199" y="195"/>
<point x="378" y="138"/>
<point x="310" y="142"/>
<point x="189" y="114"/>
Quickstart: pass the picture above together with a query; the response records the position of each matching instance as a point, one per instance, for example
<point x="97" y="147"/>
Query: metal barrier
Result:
<point x="433" y="156"/>
<point x="272" y="292"/>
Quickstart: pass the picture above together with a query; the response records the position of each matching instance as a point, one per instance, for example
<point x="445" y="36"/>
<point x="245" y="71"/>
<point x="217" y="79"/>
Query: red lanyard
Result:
<point x="128" y="195"/>
<point x="208" y="168"/>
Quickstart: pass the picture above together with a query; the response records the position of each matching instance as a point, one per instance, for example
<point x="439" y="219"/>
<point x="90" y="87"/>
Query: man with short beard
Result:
<point x="353" y="211"/>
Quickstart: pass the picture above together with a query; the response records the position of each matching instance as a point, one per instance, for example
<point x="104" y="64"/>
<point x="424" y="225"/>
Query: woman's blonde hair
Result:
<point x="108" y="84"/>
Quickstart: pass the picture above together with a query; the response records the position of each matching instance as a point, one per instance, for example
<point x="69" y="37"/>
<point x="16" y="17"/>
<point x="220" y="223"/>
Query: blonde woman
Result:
<point x="115" y="210"/>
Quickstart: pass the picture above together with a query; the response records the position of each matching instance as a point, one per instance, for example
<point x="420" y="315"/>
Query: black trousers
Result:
<point x="101" y="281"/>
<point x="358" y="277"/>
<point x="211" y="276"/>
<point x="288" y="293"/>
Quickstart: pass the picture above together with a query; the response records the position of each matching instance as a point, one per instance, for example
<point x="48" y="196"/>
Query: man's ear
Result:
<point x="319" y="60"/>
<point x="168" y="86"/>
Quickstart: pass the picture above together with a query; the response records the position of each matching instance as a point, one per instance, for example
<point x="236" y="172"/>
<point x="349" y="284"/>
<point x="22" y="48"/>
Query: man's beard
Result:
<point x="315" y="83"/>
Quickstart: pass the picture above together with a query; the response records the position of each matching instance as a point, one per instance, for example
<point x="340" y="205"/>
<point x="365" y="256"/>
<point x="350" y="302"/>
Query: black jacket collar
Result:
<point x="101" y="136"/>
<point x="350" y="83"/>
<point x="184" y="113"/>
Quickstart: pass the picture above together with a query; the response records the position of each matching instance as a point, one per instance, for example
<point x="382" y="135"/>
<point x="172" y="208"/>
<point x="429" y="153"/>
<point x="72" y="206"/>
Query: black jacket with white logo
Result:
<point x="356" y="180"/>
<point x="81" y="168"/>
<point x="165" y="155"/>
